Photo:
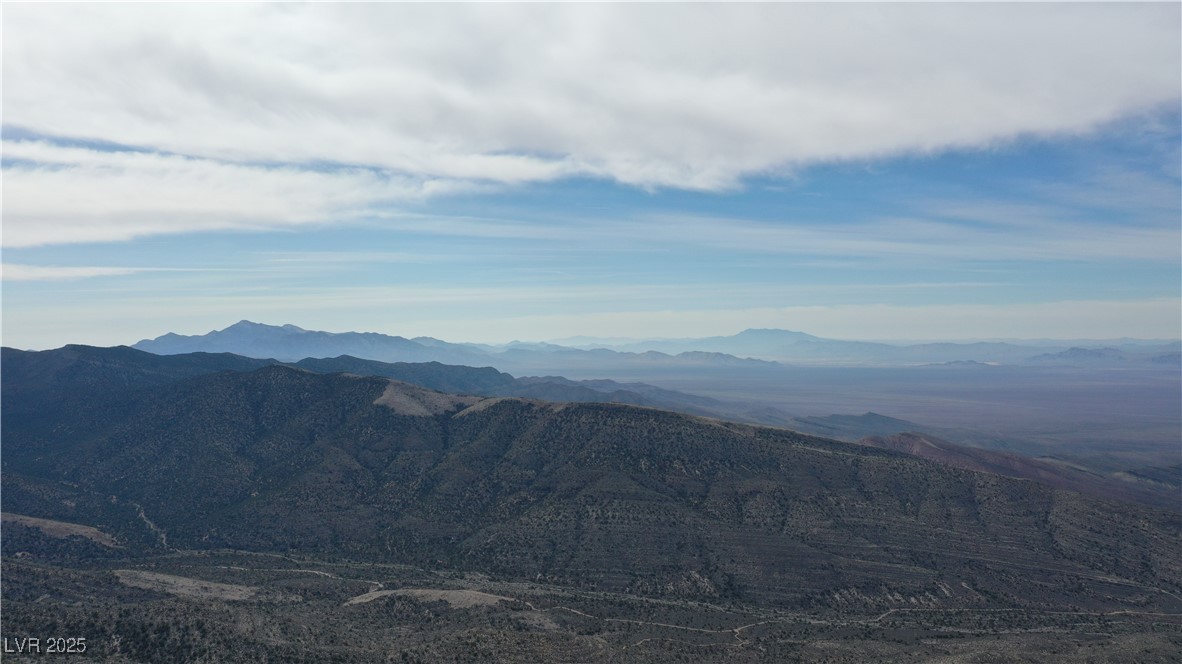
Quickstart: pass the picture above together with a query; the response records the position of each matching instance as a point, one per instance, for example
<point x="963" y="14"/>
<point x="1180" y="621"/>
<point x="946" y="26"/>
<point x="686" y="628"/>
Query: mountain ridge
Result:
<point x="753" y="347"/>
<point x="1045" y="471"/>
<point x="291" y="343"/>
<point x="605" y="496"/>
<point x="119" y="367"/>
<point x="169" y="513"/>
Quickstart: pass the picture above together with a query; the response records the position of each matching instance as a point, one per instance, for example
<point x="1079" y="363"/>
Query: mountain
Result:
<point x="762" y="343"/>
<point x="291" y="343"/>
<point x="275" y="507"/>
<point x="284" y="459"/>
<point x="792" y="347"/>
<point x="82" y="376"/>
<point x="434" y="375"/>
<point x="489" y="382"/>
<point x="1078" y="355"/>
<point x="651" y="395"/>
<point x="852" y="427"/>
<point x="1163" y="354"/>
<point x="798" y="347"/>
<point x="750" y="350"/>
<point x="54" y="374"/>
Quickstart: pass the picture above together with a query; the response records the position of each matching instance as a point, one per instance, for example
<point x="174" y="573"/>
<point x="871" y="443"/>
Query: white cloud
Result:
<point x="21" y="272"/>
<point x="56" y="194"/>
<point x="692" y="96"/>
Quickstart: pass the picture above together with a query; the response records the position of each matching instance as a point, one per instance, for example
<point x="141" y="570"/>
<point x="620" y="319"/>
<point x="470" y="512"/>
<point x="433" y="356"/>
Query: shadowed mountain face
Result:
<point x="57" y="374"/>
<point x="593" y="496"/>
<point x="437" y="376"/>
<point x="85" y="377"/>
<point x="487" y="381"/>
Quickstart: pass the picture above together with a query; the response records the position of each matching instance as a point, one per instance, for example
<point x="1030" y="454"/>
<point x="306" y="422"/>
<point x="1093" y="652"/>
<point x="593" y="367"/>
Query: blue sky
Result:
<point x="857" y="172"/>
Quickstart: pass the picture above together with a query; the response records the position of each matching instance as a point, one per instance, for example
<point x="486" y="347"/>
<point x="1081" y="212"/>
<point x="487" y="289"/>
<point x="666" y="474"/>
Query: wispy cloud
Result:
<point x="20" y="272"/>
<point x="1121" y="189"/>
<point x="56" y="194"/>
<point x="303" y="259"/>
<point x="1039" y="237"/>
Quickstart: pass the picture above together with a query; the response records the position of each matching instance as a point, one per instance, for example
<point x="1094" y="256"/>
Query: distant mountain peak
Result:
<point x="1075" y="353"/>
<point x="774" y="332"/>
<point x="246" y="325"/>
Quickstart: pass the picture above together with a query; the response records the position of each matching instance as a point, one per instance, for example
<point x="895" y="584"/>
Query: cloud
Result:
<point x="21" y="272"/>
<point x="686" y="96"/>
<point x="936" y="233"/>
<point x="59" y="194"/>
<point x="56" y="194"/>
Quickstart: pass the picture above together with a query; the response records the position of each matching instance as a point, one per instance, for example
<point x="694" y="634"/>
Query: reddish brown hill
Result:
<point x="1047" y="471"/>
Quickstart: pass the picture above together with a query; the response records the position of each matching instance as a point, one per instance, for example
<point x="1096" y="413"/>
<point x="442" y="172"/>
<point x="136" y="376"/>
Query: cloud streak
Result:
<point x="21" y="272"/>
<point x="57" y="194"/>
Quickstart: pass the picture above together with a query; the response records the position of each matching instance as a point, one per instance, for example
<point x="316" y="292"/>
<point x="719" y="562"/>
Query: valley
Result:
<point x="1116" y="406"/>
<point x="308" y="610"/>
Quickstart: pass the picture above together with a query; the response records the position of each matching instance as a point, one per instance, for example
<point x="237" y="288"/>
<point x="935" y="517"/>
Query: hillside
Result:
<point x="280" y="458"/>
<point x="569" y="512"/>
<point x="57" y="374"/>
<point x="1126" y="486"/>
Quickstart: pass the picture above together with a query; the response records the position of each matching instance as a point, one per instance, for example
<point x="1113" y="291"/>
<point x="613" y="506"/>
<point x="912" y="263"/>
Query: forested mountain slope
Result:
<point x="587" y="495"/>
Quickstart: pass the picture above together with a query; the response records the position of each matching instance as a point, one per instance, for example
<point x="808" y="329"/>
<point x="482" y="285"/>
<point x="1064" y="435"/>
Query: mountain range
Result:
<point x="798" y="347"/>
<point x="291" y="343"/>
<point x="1112" y="407"/>
<point x="751" y="350"/>
<point x="184" y="506"/>
<point x="281" y="458"/>
<point x="40" y="374"/>
<point x="54" y="376"/>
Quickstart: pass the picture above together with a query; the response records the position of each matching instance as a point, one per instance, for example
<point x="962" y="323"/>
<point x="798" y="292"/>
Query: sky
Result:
<point x="493" y="172"/>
